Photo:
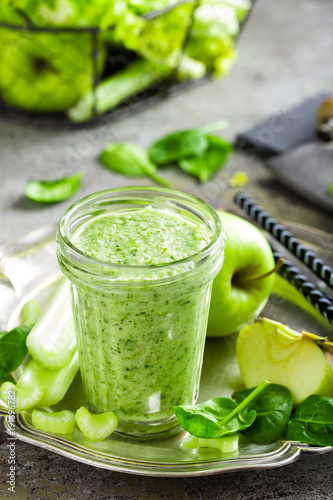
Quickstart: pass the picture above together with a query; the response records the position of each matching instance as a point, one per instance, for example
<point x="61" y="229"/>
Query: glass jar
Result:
<point x="140" y="328"/>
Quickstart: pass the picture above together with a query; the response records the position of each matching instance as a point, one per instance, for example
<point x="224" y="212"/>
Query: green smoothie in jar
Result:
<point x="141" y="263"/>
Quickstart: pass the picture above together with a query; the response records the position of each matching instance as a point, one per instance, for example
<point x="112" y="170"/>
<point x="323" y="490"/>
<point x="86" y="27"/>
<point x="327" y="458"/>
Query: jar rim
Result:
<point x="95" y="200"/>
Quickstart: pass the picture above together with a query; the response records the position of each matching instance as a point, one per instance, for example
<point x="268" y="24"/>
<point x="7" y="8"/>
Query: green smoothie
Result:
<point x="141" y="319"/>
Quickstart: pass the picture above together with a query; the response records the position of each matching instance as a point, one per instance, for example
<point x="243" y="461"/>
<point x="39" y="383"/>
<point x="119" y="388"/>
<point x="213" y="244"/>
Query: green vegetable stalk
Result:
<point x="112" y="91"/>
<point x="228" y="444"/>
<point x="40" y="387"/>
<point x="95" y="427"/>
<point x="62" y="422"/>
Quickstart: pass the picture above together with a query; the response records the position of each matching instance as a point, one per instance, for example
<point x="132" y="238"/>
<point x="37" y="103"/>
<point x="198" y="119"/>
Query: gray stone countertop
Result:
<point x="284" y="56"/>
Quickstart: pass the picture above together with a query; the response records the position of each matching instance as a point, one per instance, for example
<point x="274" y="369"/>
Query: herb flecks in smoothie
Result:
<point x="148" y="236"/>
<point x="141" y="345"/>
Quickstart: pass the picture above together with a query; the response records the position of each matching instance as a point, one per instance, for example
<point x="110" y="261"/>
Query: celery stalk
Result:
<point x="52" y="340"/>
<point x="227" y="444"/>
<point x="111" y="91"/>
<point x="55" y="383"/>
<point x="21" y="398"/>
<point x="95" y="427"/>
<point x="62" y="422"/>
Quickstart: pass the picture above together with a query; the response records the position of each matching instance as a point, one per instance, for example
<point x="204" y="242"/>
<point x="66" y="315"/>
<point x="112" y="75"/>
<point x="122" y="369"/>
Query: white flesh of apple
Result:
<point x="268" y="350"/>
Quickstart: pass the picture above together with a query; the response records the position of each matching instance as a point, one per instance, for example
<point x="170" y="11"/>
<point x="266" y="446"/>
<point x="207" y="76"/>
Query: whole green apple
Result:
<point x="239" y="291"/>
<point x="45" y="72"/>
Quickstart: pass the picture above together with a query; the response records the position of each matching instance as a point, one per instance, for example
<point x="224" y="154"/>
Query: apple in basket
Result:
<point x="45" y="72"/>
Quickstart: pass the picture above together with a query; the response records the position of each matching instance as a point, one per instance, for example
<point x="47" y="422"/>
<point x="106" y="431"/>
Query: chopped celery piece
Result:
<point x="52" y="340"/>
<point x="30" y="313"/>
<point x="21" y="398"/>
<point x="54" y="382"/>
<point x="62" y="422"/>
<point x="115" y="89"/>
<point x="227" y="444"/>
<point x="95" y="427"/>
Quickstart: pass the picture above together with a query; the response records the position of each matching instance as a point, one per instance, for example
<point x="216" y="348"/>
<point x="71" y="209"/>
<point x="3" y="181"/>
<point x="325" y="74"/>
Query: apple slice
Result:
<point x="303" y="362"/>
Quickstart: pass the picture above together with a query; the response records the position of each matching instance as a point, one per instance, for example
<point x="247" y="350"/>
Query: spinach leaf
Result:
<point x="53" y="191"/>
<point x="207" y="163"/>
<point x="130" y="159"/>
<point x="312" y="422"/>
<point x="273" y="407"/>
<point x="13" y="349"/>
<point x="218" y="417"/>
<point x="182" y="144"/>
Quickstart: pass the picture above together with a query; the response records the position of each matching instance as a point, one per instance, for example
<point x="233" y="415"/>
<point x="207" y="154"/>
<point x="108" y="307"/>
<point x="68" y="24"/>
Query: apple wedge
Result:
<point x="303" y="362"/>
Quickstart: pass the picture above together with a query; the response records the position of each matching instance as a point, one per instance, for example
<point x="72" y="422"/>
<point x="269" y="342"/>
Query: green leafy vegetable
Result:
<point x="212" y="36"/>
<point x="218" y="417"/>
<point x="206" y="164"/>
<point x="183" y="144"/>
<point x="273" y="407"/>
<point x="62" y="422"/>
<point x="13" y="349"/>
<point x="30" y="313"/>
<point x="312" y="422"/>
<point x="159" y="39"/>
<point x="53" y="191"/>
<point x="130" y="159"/>
<point x="95" y="427"/>
<point x="57" y="13"/>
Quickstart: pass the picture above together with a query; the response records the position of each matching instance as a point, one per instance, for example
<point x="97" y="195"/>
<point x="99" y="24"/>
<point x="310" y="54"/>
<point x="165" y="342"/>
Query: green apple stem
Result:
<point x="278" y="265"/>
<point x="322" y="342"/>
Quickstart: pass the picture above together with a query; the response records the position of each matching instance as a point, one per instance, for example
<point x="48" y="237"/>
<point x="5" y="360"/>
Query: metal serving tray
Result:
<point x="28" y="269"/>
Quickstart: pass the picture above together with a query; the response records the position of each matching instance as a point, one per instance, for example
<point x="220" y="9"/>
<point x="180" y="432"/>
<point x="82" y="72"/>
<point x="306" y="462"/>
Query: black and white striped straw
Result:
<point x="280" y="233"/>
<point x="320" y="301"/>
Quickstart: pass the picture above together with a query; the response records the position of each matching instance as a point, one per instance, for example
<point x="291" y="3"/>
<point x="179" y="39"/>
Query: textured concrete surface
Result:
<point x="285" y="55"/>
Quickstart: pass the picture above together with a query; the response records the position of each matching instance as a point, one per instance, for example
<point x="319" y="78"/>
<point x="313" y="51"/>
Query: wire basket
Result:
<point x="45" y="72"/>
